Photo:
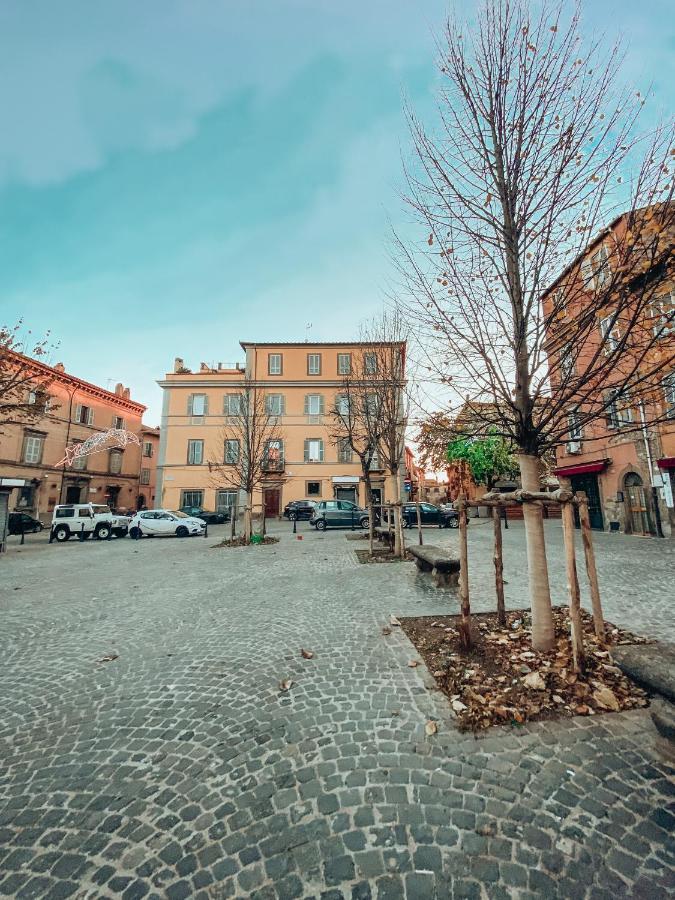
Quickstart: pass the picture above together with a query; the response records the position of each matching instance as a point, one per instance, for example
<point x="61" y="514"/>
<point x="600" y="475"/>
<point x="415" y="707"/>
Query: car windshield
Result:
<point x="177" y="514"/>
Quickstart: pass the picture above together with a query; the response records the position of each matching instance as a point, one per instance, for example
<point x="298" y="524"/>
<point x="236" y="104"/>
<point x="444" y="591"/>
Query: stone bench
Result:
<point x="443" y="567"/>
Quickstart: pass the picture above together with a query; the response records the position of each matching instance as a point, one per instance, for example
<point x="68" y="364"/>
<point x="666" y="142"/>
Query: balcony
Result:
<point x="273" y="465"/>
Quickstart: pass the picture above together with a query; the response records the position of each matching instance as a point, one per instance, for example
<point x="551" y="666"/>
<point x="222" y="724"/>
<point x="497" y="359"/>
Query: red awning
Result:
<point x="583" y="468"/>
<point x="668" y="462"/>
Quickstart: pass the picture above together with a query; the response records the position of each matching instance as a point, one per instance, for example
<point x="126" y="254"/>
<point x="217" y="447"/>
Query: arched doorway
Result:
<point x="638" y="516"/>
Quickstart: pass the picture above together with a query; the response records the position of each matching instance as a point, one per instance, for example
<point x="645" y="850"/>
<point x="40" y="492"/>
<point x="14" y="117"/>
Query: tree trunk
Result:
<point x="401" y="534"/>
<point x="397" y="530"/>
<point x="540" y="594"/>
<point x="371" y="526"/>
<point x="465" y="605"/>
<point x="499" y="567"/>
<point x="248" y="518"/>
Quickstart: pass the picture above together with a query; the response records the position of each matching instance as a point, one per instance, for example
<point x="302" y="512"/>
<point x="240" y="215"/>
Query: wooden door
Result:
<point x="272" y="500"/>
<point x="637" y="505"/>
<point x="589" y="485"/>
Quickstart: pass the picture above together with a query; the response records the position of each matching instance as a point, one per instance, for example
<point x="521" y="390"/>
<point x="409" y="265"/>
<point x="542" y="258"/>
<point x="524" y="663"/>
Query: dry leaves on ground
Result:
<point x="286" y="684"/>
<point x="502" y="680"/>
<point x="109" y="658"/>
<point x="306" y="654"/>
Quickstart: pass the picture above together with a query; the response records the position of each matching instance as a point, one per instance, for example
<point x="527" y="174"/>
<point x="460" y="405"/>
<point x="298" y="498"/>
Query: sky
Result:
<point x="180" y="175"/>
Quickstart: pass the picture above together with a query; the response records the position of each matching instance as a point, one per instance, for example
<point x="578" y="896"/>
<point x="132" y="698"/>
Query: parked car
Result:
<point x="338" y="514"/>
<point x="85" y="520"/>
<point x="443" y="516"/>
<point x="211" y="518"/>
<point x="154" y="522"/>
<point x="299" y="509"/>
<point x="22" y="523"/>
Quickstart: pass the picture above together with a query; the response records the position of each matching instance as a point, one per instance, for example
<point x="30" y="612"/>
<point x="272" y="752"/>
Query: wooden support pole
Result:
<point x="419" y="523"/>
<point x="591" y="571"/>
<point x="465" y="605"/>
<point x="499" y="566"/>
<point x="573" y="584"/>
<point x="521" y="496"/>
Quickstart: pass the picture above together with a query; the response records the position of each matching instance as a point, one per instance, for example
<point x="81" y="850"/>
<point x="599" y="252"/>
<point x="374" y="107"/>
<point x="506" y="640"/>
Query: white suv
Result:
<point x="165" y="521"/>
<point x="85" y="519"/>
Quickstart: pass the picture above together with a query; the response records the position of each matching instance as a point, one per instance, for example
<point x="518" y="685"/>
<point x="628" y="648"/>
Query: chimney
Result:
<point x="126" y="393"/>
<point x="204" y="367"/>
<point x="178" y="364"/>
<point x="119" y="389"/>
<point x="59" y="367"/>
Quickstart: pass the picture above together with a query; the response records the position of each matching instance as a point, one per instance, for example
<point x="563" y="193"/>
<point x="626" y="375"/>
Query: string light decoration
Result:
<point x="97" y="443"/>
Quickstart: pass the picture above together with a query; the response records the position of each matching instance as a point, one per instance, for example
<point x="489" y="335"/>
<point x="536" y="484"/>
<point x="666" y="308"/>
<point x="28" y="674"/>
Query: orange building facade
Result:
<point x="147" y="476"/>
<point x="624" y="461"/>
<point x="71" y="411"/>
<point x="302" y="381"/>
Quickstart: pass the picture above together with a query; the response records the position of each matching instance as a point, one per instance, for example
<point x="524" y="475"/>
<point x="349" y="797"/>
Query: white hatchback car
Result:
<point x="153" y="522"/>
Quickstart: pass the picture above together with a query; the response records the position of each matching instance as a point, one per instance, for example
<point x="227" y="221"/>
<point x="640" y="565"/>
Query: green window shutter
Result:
<point x="320" y="451"/>
<point x="306" y="407"/>
<point x="321" y="406"/>
<point x="78" y="412"/>
<point x="306" y="445"/>
<point x="189" y="407"/>
<point x="206" y="404"/>
<point x="283" y="405"/>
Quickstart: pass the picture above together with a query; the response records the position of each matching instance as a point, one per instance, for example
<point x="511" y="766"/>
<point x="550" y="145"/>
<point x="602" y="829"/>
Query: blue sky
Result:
<point x="177" y="175"/>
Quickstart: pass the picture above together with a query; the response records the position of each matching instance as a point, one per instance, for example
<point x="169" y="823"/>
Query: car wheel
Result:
<point x="182" y="531"/>
<point x="103" y="533"/>
<point x="365" y="522"/>
<point x="61" y="534"/>
<point x="453" y="523"/>
<point x="292" y="517"/>
<point x="321" y="525"/>
<point x="406" y="523"/>
<point x="37" y="528"/>
<point x="135" y="533"/>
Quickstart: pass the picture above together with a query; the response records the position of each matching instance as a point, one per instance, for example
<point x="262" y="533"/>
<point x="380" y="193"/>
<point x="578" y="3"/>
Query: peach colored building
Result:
<point x="72" y="412"/>
<point x="147" y="478"/>
<point x="627" y="471"/>
<point x="302" y="381"/>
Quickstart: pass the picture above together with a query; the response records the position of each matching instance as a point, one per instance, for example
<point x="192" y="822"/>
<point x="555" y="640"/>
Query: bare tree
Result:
<point x="385" y="382"/>
<point x="535" y="148"/>
<point x="251" y="445"/>
<point x="357" y="424"/>
<point x="24" y="382"/>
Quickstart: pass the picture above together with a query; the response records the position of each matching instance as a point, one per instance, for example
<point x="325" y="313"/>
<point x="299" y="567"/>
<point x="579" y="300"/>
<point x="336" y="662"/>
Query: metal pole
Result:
<point x="655" y="492"/>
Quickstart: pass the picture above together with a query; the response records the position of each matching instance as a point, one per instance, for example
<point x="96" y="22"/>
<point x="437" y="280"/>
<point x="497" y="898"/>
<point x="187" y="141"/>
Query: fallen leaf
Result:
<point x="606" y="699"/>
<point x="431" y="727"/>
<point x="386" y="630"/>
<point x="458" y="706"/>
<point x="110" y="658"/>
<point x="557" y="698"/>
<point x="307" y="654"/>
<point x="286" y="684"/>
<point x="393" y="620"/>
<point x="534" y="681"/>
<point x="582" y="710"/>
<point x="413" y="664"/>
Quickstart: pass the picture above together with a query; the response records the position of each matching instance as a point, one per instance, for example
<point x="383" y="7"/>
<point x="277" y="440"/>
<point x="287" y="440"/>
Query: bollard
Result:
<point x="295" y="525"/>
<point x="206" y="530"/>
<point x="23" y="536"/>
<point x="81" y="534"/>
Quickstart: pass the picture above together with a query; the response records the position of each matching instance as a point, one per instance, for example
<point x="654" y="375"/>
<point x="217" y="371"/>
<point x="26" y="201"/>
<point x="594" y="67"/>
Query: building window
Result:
<point x="314" y="405"/>
<point x="313" y="450"/>
<point x="574" y="426"/>
<point x="566" y="363"/>
<point x="117" y="422"/>
<point x="369" y="363"/>
<point x="617" y="411"/>
<point x="663" y="314"/>
<point x="371" y="405"/>
<point x="198" y="405"/>
<point x="232" y="449"/>
<point x="313" y="363"/>
<point x="84" y="414"/>
<point x="609" y="333"/>
<point x="342" y="405"/>
<point x="39" y="399"/>
<point x="80" y="462"/>
<point x="147" y="448"/>
<point x="145" y="476"/>
<point x="669" y="394"/>
<point x="26" y="497"/>
<point x="275" y="364"/>
<point x="344" y="363"/>
<point x="274" y="456"/>
<point x="345" y="452"/>
<point x="192" y="498"/>
<point x="274" y="404"/>
<point x="232" y="404"/>
<point x="195" y="453"/>
<point x="32" y="448"/>
<point x="226" y="501"/>
<point x="313" y="488"/>
<point x="115" y="462"/>
<point x="595" y="271"/>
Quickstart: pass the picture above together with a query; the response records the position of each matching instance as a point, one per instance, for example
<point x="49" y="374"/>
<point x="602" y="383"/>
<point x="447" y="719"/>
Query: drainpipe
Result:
<point x="655" y="490"/>
<point x="70" y="419"/>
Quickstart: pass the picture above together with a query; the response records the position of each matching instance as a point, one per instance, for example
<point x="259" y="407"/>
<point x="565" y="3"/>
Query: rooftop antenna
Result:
<point x="307" y="327"/>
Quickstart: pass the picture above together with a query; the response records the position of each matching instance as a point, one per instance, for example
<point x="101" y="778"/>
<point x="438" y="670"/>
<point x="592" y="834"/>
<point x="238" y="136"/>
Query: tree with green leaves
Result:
<point x="489" y="458"/>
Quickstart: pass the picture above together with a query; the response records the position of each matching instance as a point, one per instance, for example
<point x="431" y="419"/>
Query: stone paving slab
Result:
<point x="179" y="769"/>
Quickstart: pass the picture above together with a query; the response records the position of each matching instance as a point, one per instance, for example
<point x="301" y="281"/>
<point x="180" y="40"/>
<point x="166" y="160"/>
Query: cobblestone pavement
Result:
<point x="179" y="769"/>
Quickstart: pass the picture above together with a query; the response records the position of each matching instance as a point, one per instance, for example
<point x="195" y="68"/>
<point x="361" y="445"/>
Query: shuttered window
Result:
<point x="313" y="450"/>
<point x="195" y="455"/>
<point x="198" y="405"/>
<point x="314" y="405"/>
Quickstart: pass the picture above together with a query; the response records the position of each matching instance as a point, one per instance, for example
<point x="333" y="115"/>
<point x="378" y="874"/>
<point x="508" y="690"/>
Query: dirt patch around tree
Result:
<point x="241" y="542"/>
<point x="502" y="680"/>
